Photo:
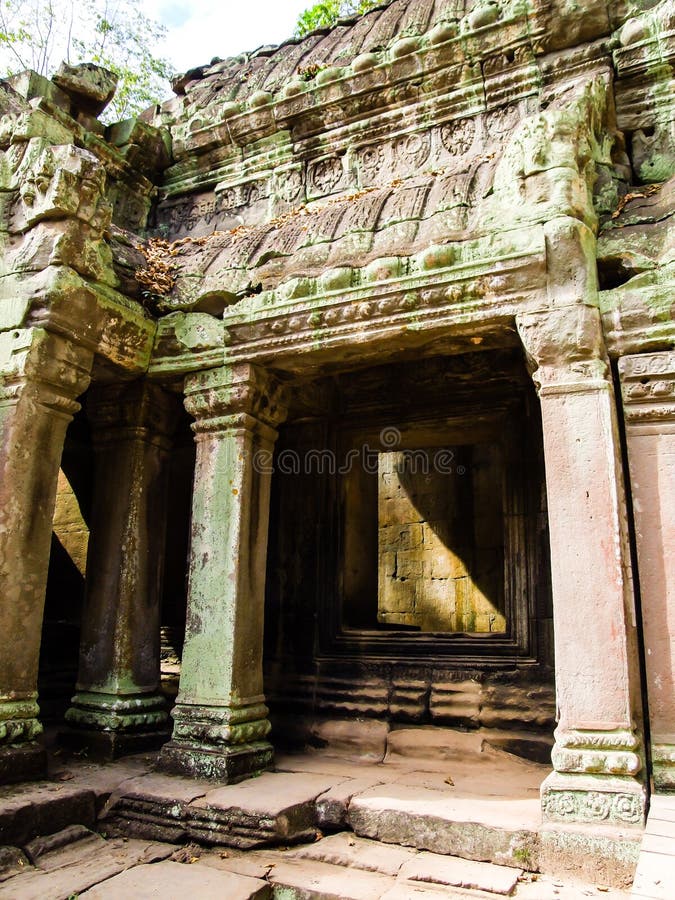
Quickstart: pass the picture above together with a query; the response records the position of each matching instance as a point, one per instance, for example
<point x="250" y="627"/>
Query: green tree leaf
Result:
<point x="327" y="13"/>
<point x="38" y="35"/>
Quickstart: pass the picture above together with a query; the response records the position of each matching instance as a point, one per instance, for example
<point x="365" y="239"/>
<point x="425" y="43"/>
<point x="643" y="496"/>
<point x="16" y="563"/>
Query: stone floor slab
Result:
<point x="463" y="873"/>
<point x="311" y="880"/>
<point x="352" y="852"/>
<point x="274" y="808"/>
<point x="477" y="828"/>
<point x="332" y="806"/>
<point x="176" y="881"/>
<point x="83" y="870"/>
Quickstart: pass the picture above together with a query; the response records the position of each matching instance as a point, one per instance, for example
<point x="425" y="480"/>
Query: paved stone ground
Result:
<point x="79" y="862"/>
<point x="454" y="800"/>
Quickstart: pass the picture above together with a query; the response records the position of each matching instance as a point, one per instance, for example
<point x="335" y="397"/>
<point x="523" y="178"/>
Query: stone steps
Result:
<point x="77" y="861"/>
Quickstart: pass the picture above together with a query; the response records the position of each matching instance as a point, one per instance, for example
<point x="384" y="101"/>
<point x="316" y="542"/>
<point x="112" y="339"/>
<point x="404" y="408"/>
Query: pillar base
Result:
<point x="107" y="746"/>
<point x="663" y="766"/>
<point x="110" y="726"/>
<point x="227" y="765"/>
<point x="572" y="798"/>
<point x="22" y="762"/>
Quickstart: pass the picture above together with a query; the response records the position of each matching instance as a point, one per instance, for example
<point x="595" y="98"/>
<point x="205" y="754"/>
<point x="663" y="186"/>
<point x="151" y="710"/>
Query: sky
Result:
<point x="198" y="30"/>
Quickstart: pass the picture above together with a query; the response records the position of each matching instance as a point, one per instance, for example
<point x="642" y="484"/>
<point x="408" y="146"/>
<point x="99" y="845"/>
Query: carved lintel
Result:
<point x="648" y="387"/>
<point x="235" y="396"/>
<point x="565" y="349"/>
<point x="49" y="369"/>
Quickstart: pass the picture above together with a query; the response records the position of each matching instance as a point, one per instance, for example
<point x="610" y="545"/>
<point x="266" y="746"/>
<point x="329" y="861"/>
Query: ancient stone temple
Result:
<point x="346" y="377"/>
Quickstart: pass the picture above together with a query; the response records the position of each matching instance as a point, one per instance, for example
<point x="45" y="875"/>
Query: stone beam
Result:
<point x="41" y="374"/>
<point x="598" y="754"/>
<point x="220" y="715"/>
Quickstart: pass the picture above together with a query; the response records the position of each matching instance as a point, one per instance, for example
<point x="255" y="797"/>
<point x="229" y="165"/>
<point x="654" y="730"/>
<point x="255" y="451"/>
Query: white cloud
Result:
<point x="201" y="29"/>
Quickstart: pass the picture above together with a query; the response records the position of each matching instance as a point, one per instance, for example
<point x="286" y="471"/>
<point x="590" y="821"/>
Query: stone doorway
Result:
<point x="408" y="566"/>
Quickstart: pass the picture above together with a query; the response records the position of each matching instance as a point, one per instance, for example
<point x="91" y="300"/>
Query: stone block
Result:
<point x="174" y="881"/>
<point x="473" y="828"/>
<point x="274" y="808"/>
<point x="407" y="536"/>
<point x="409" y="564"/>
<point x="458" y="702"/>
<point x="602" y="855"/>
<point x="90" y="87"/>
<point x="304" y="879"/>
<point x="357" y="853"/>
<point x="461" y="873"/>
<point x="331" y="806"/>
<point x="44" y="808"/>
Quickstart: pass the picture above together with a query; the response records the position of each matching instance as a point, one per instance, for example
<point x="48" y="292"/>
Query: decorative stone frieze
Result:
<point x="648" y="391"/>
<point x="220" y="717"/>
<point x="598" y="739"/>
<point x="118" y="707"/>
<point x="41" y="375"/>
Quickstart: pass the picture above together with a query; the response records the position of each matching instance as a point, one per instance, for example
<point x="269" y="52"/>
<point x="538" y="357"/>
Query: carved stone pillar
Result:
<point x="648" y="387"/>
<point x="597" y="757"/>
<point x="118" y="707"/>
<point x="220" y="717"/>
<point x="40" y="377"/>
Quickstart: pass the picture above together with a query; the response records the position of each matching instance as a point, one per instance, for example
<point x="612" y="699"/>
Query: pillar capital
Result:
<point x="50" y="369"/>
<point x="220" y="398"/>
<point x="565" y="348"/>
<point x="133" y="410"/>
<point x="648" y="387"/>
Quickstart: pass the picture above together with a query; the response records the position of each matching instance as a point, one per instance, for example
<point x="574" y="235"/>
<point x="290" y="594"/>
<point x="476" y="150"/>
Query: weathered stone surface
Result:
<point x="332" y="806"/>
<point x="85" y="864"/>
<point x="274" y="808"/>
<point x="12" y="862"/>
<point x="90" y="87"/>
<point x="430" y="180"/>
<point x="173" y="880"/>
<point x="304" y="879"/>
<point x="30" y="811"/>
<point x="435" y="820"/>
<point x="462" y="873"/>
<point x="356" y="853"/>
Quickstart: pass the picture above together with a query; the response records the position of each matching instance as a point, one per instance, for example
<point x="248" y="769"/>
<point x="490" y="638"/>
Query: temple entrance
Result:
<point x="408" y="573"/>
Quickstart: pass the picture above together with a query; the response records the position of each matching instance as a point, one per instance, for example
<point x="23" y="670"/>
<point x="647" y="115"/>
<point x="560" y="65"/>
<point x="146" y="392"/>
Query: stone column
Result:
<point x="41" y="374"/>
<point x="597" y="757"/>
<point x="118" y="707"/>
<point x="220" y="717"/>
<point x="648" y="387"/>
